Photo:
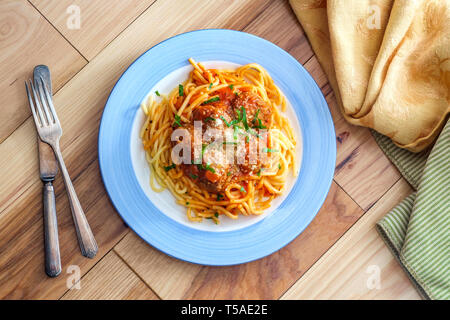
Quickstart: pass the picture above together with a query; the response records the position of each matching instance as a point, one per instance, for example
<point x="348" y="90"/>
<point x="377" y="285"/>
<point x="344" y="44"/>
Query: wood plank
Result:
<point x="289" y="36"/>
<point x="278" y="24"/>
<point x="266" y="278"/>
<point x="344" y="271"/>
<point x="101" y="20"/>
<point x="366" y="173"/>
<point x="110" y="279"/>
<point x="20" y="202"/>
<point x="27" y="40"/>
<point x="96" y="82"/>
<point x="22" y="273"/>
<point x="362" y="169"/>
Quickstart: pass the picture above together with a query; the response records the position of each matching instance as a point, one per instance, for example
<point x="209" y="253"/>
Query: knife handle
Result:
<point x="52" y="256"/>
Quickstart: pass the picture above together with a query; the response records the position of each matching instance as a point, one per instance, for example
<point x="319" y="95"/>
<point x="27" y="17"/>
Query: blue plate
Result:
<point x="205" y="247"/>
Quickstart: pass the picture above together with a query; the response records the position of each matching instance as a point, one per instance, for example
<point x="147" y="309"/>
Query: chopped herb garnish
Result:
<point x="210" y="119"/>
<point x="235" y="132"/>
<point x="215" y="221"/>
<point x="247" y="139"/>
<point x="229" y="142"/>
<point x="239" y="114"/>
<point x="243" y="190"/>
<point x="269" y="150"/>
<point x="226" y="122"/>
<point x="219" y="197"/>
<point x="259" y="173"/>
<point x="256" y="119"/>
<point x="216" y="214"/>
<point x="237" y="94"/>
<point x="157" y="93"/>
<point x="279" y="166"/>
<point x="177" y="120"/>
<point x="187" y="203"/>
<point x="229" y="173"/>
<point x="256" y="116"/>
<point x="204" y="146"/>
<point x="172" y="166"/>
<point x="231" y="86"/>
<point x="208" y="167"/>
<point x="180" y="90"/>
<point x="214" y="99"/>
<point x="193" y="176"/>
<point x="244" y="118"/>
<point x="253" y="133"/>
<point x="210" y="85"/>
<point x="260" y="125"/>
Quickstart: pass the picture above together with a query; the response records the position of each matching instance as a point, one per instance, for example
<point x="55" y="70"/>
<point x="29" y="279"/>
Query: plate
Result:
<point x="155" y="217"/>
<point x="164" y="201"/>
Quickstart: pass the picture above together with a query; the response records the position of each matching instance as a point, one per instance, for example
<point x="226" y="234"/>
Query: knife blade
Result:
<point x="48" y="166"/>
<point x="48" y="169"/>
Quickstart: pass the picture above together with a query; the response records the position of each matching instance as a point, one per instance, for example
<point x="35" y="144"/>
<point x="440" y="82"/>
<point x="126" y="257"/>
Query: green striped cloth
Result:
<point x="418" y="230"/>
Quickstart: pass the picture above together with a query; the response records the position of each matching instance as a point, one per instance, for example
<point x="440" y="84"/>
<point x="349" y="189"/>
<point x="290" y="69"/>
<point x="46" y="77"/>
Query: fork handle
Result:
<point x="51" y="242"/>
<point x="86" y="239"/>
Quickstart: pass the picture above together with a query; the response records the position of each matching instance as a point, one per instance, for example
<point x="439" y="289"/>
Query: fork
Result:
<point x="50" y="131"/>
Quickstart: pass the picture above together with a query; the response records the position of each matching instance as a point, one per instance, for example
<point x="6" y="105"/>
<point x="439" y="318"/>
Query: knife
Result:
<point x="48" y="168"/>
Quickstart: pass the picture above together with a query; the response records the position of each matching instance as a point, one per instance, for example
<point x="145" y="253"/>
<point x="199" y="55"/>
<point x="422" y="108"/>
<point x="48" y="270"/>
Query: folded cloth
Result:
<point x="387" y="61"/>
<point x="418" y="229"/>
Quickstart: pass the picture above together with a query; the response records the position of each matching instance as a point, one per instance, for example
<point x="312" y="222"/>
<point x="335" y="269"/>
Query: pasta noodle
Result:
<point x="246" y="192"/>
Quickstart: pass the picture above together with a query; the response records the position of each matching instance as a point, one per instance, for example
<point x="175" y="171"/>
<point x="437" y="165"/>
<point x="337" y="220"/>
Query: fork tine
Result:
<point x="38" y="105"/>
<point x="50" y="101"/>
<point x="44" y="103"/>
<point x="37" y="120"/>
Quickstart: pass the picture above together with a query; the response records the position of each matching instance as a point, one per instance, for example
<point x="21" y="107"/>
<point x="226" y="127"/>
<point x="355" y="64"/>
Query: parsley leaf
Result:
<point x="225" y="121"/>
<point x="177" y="121"/>
<point x="180" y="90"/>
<point x="214" y="99"/>
<point x="244" y="118"/>
<point x="209" y="168"/>
<point x="269" y="150"/>
<point x="172" y="166"/>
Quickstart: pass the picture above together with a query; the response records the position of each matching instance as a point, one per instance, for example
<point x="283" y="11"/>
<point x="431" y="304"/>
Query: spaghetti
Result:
<point x="245" y="106"/>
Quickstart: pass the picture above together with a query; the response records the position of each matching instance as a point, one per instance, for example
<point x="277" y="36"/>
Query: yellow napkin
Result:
<point x="387" y="61"/>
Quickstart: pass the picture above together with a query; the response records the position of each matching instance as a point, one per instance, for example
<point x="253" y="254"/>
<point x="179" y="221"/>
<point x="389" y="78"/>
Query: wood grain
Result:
<point x="344" y="271"/>
<point x="22" y="273"/>
<point x="101" y="20"/>
<point x="266" y="278"/>
<point x="111" y="45"/>
<point x="110" y="279"/>
<point x="362" y="169"/>
<point x="26" y="40"/>
<point x="278" y="24"/>
<point x="79" y="105"/>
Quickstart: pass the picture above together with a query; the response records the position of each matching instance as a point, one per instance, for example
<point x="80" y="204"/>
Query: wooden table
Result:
<point x="336" y="257"/>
